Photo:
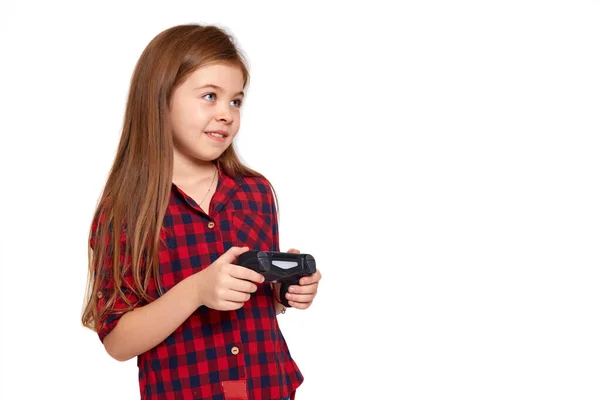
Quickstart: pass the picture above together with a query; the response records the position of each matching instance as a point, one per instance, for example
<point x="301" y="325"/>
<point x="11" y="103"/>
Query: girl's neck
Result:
<point x="189" y="173"/>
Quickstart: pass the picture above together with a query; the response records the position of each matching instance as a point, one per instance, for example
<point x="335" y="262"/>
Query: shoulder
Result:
<point x="260" y="190"/>
<point x="257" y="184"/>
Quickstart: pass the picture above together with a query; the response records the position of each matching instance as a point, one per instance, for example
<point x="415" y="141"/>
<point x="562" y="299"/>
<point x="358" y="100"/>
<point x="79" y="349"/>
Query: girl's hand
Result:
<point x="225" y="286"/>
<point x="301" y="296"/>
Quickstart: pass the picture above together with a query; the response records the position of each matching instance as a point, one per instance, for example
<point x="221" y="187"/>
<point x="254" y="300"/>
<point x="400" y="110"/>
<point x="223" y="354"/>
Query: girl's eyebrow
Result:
<point x="218" y="88"/>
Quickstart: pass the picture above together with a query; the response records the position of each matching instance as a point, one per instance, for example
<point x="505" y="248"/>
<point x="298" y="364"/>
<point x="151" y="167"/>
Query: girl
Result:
<point x="177" y="210"/>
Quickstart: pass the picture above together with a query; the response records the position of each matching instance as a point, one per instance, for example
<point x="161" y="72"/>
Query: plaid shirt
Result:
<point x="245" y="347"/>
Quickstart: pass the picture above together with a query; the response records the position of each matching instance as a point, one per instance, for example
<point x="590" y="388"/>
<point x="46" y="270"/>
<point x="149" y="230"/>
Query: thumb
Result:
<point x="230" y="255"/>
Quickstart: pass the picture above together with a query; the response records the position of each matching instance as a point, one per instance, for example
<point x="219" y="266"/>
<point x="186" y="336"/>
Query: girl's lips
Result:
<point x="216" y="138"/>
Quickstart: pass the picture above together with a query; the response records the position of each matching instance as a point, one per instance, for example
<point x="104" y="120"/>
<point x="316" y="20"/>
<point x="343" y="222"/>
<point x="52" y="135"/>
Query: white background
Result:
<point x="439" y="159"/>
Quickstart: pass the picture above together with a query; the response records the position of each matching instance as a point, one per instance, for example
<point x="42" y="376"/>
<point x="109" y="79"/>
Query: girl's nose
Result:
<point x="224" y="114"/>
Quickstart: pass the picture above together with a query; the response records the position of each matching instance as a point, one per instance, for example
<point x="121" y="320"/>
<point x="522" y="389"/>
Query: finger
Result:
<point x="242" y="285"/>
<point x="305" y="289"/>
<point x="295" y="251"/>
<point x="229" y="305"/>
<point x="234" y="252"/>
<point x="235" y="296"/>
<point x="240" y="272"/>
<point x="301" y="306"/>
<point x="314" y="278"/>
<point x="300" y="298"/>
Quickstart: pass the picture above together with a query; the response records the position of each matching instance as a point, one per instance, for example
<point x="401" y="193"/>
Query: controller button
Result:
<point x="211" y="225"/>
<point x="235" y="350"/>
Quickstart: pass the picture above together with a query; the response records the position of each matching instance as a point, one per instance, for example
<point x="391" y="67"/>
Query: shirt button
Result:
<point x="211" y="224"/>
<point x="235" y="350"/>
<point x="99" y="294"/>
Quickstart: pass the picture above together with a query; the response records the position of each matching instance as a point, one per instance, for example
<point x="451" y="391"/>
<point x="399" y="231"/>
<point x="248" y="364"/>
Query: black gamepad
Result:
<point x="286" y="268"/>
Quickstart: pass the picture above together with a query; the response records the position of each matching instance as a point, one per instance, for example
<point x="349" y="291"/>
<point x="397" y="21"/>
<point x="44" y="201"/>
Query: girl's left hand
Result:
<point x="301" y="296"/>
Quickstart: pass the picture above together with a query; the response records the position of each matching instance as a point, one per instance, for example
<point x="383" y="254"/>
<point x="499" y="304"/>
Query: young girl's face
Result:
<point x="205" y="112"/>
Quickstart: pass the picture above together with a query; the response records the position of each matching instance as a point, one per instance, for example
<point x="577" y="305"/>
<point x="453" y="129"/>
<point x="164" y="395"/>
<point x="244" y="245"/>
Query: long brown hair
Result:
<point x="137" y="190"/>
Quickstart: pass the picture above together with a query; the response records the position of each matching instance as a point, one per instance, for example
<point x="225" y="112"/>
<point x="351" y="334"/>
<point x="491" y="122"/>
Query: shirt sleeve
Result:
<point x="108" y="320"/>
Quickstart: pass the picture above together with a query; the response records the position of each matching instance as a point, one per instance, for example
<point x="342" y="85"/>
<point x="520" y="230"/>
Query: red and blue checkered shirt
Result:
<point x="243" y="346"/>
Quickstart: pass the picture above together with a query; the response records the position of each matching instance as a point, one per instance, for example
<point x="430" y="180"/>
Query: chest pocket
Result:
<point x="252" y="229"/>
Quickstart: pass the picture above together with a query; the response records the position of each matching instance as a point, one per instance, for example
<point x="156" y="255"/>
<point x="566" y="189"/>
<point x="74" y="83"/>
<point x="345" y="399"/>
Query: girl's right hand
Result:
<point x="225" y="286"/>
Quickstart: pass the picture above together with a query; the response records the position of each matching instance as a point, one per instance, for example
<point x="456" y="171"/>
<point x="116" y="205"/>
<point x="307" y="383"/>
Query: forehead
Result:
<point x="228" y="77"/>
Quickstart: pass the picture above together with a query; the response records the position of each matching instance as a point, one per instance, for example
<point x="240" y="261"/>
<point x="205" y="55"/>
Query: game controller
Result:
<point x="286" y="268"/>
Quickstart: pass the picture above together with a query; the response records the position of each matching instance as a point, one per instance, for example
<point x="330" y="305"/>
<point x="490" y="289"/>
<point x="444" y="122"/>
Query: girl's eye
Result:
<point x="213" y="97"/>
